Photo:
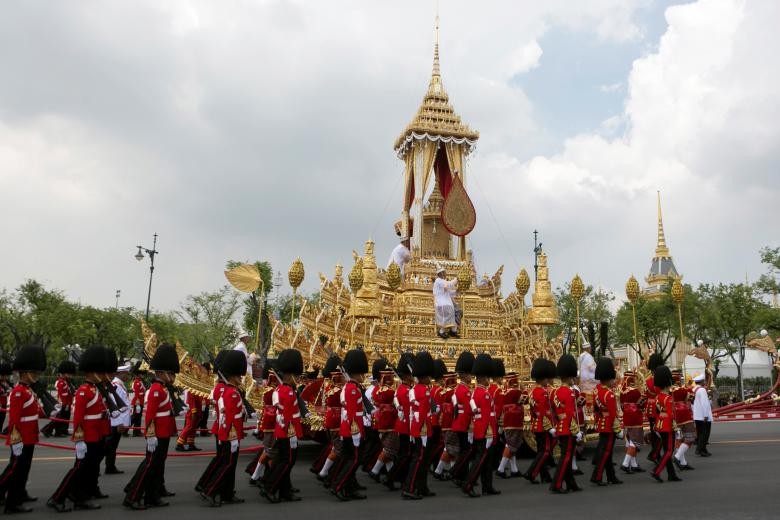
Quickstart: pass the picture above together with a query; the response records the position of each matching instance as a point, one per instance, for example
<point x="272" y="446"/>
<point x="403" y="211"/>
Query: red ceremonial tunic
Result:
<point x="542" y="418"/>
<point x="420" y="402"/>
<point x="513" y="413"/>
<point x="332" y="406"/>
<point x="64" y="393"/>
<point x="605" y="408"/>
<point x="664" y="412"/>
<point x="352" y="410"/>
<point x="446" y="409"/>
<point x="497" y="394"/>
<point x="461" y="401"/>
<point x="288" y="415"/>
<point x="215" y="396"/>
<point x="90" y="416"/>
<point x="650" y="395"/>
<point x="23" y="412"/>
<point x="632" y="411"/>
<point x="194" y="402"/>
<point x="385" y="413"/>
<point x="158" y="419"/>
<point x="403" y="406"/>
<point x="139" y="391"/>
<point x="268" y="420"/>
<point x="231" y="415"/>
<point x="579" y="400"/>
<point x="683" y="412"/>
<point x="483" y="411"/>
<point x="436" y="393"/>
<point x="565" y="407"/>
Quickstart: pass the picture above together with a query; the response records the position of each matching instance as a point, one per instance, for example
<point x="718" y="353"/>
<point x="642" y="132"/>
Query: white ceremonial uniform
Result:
<point x="400" y="255"/>
<point x="587" y="372"/>
<point x="702" y="408"/>
<point x="443" y="291"/>
<point x="123" y="419"/>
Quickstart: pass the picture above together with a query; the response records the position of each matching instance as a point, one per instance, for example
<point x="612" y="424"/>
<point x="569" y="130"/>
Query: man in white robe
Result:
<point x="443" y="292"/>
<point x="587" y="370"/>
<point x="243" y="342"/>
<point x="401" y="255"/>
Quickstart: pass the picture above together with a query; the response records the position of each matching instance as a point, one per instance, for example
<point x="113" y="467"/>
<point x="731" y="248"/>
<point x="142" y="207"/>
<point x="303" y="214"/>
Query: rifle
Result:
<point x="47" y="400"/>
<point x="176" y="401"/>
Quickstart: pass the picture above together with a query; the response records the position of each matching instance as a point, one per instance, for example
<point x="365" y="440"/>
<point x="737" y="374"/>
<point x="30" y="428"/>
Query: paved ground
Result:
<point x="739" y="481"/>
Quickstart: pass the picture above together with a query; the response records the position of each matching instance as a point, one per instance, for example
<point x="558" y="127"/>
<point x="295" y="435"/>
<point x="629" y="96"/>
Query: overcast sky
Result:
<point x="264" y="130"/>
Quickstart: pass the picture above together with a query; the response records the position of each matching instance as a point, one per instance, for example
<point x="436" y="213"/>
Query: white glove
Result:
<point x="16" y="449"/>
<point x="293" y="442"/>
<point x="579" y="437"/>
<point x="489" y="442"/>
<point x="401" y="415"/>
<point x="234" y="446"/>
<point x="552" y="431"/>
<point x="151" y="444"/>
<point x="183" y="412"/>
<point x="620" y="434"/>
<point x="81" y="450"/>
<point x="424" y="440"/>
<point x="471" y="438"/>
<point x="678" y="434"/>
<point x="356" y="439"/>
<point x="115" y="414"/>
<point x="254" y="415"/>
<point x="138" y="408"/>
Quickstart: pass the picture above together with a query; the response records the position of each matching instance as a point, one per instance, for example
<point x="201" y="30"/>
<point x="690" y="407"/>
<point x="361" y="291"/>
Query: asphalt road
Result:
<point x="739" y="481"/>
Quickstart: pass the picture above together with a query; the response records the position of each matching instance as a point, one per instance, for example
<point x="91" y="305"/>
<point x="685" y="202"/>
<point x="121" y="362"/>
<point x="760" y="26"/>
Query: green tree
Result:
<point x="207" y="320"/>
<point x="767" y="283"/>
<point x="594" y="309"/>
<point x="251" y="302"/>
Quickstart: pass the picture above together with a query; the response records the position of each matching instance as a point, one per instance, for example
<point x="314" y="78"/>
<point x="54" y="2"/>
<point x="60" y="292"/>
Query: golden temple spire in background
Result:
<point x="661" y="250"/>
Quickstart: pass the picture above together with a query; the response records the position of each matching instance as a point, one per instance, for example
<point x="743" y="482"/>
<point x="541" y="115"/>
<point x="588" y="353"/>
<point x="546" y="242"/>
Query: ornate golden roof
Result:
<point x="436" y="117"/>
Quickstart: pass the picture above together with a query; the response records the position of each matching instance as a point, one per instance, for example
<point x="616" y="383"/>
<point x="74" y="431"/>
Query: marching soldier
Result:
<point x="404" y="370"/>
<point x="23" y="413"/>
<point x="513" y="415"/>
<point x="682" y="396"/>
<point x="373" y="446"/>
<point x="542" y="421"/>
<point x="438" y="390"/>
<point x="420" y="428"/>
<point x="277" y="486"/>
<point x="631" y="401"/>
<point x="146" y="486"/>
<point x="385" y="416"/>
<point x="444" y="400"/>
<point x="334" y="381"/>
<point x="219" y="489"/>
<point x="120" y="421"/>
<point x="567" y="431"/>
<point x="139" y="391"/>
<point x="651" y="391"/>
<point x="186" y="440"/>
<point x="90" y="428"/>
<point x="485" y="430"/>
<point x="58" y="426"/>
<point x="259" y="463"/>
<point x="496" y="391"/>
<point x="459" y="445"/>
<point x="216" y="394"/>
<point x="664" y="424"/>
<point x="343" y="484"/>
<point x="607" y="422"/>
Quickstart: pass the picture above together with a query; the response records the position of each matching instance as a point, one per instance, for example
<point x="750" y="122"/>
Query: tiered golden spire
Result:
<point x="436" y="116"/>
<point x="661" y="250"/>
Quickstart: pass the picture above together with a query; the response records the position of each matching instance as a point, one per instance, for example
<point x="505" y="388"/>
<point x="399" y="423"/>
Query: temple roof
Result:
<point x="662" y="268"/>
<point x="436" y="117"/>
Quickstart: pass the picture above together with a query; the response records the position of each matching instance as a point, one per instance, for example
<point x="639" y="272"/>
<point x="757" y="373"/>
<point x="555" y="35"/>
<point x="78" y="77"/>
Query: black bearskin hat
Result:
<point x="331" y="365"/>
<point x="111" y="362"/>
<point x="539" y="369"/>
<point x="6" y="369"/>
<point x="165" y="359"/>
<point x="66" y="367"/>
<point x="424" y="365"/>
<point x="377" y="368"/>
<point x="483" y="365"/>
<point x="233" y="363"/>
<point x="30" y="359"/>
<point x="654" y="361"/>
<point x="662" y="377"/>
<point x="567" y="366"/>
<point x="440" y="369"/>
<point x="219" y="359"/>
<point x="464" y="363"/>
<point x="405" y="364"/>
<point x="289" y="361"/>
<point x="355" y="362"/>
<point x="92" y="360"/>
<point x="498" y="367"/>
<point x="551" y="370"/>
<point x="605" y="369"/>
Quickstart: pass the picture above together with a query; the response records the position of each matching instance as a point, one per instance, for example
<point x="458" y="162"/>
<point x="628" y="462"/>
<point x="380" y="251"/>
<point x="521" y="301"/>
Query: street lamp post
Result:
<point x="118" y="294"/>
<point x="140" y="256"/>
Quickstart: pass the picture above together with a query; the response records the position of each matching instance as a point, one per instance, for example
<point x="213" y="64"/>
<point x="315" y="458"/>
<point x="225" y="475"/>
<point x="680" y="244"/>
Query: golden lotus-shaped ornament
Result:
<point x="245" y="278"/>
<point x="296" y="273"/>
<point x="393" y="276"/>
<point x="632" y="289"/>
<point x="678" y="293"/>
<point x="356" y="277"/>
<point x="522" y="282"/>
<point x="577" y="288"/>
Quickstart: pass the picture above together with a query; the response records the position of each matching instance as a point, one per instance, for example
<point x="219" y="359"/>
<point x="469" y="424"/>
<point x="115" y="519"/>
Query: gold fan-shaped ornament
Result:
<point x="393" y="276"/>
<point x="632" y="289"/>
<point x="522" y="283"/>
<point x="356" y="277"/>
<point x="296" y="273"/>
<point x="245" y="278"/>
<point x="678" y="293"/>
<point x="464" y="279"/>
<point x="577" y="288"/>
